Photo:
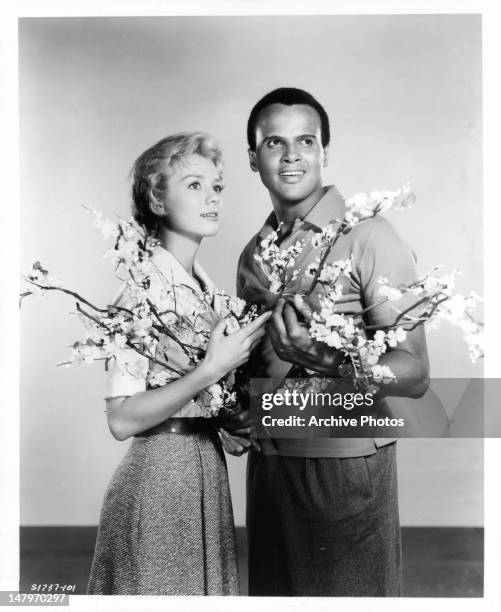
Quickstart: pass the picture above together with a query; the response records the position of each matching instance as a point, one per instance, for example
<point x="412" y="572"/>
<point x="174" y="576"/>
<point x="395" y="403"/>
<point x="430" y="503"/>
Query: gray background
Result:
<point x="403" y="94"/>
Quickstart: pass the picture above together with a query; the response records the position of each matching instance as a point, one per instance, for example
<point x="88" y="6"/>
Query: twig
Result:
<point x="68" y="292"/>
<point x="332" y="242"/>
<point x="129" y="343"/>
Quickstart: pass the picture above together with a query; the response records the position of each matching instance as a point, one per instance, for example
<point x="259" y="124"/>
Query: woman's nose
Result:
<point x="214" y="197"/>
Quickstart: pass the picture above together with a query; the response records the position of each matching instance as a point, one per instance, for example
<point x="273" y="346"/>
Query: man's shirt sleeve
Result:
<point x="383" y="254"/>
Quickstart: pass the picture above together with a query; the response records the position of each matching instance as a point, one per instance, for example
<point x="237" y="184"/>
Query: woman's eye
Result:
<point x="194" y="185"/>
<point x="218" y="188"/>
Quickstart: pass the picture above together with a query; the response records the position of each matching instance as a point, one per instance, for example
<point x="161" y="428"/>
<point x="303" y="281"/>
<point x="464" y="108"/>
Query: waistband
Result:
<point x="183" y="425"/>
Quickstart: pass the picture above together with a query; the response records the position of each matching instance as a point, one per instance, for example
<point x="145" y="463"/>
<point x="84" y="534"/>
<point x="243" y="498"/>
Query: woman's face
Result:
<point x="193" y="199"/>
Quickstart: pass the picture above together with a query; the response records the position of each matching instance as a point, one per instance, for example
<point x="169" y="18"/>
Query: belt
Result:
<point x="184" y="425"/>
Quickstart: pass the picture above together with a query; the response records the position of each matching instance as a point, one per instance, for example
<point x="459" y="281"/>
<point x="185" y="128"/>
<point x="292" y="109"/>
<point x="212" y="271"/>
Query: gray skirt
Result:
<point x="166" y="525"/>
<point x="324" y="526"/>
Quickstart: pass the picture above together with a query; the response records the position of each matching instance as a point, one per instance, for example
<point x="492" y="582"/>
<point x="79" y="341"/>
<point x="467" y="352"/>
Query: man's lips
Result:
<point x="291" y="172"/>
<point x="291" y="175"/>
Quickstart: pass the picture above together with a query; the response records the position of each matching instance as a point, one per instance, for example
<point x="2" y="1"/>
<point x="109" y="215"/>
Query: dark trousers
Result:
<point x="324" y="526"/>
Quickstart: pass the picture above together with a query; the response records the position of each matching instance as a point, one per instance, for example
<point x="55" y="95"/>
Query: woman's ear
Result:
<point x="157" y="207"/>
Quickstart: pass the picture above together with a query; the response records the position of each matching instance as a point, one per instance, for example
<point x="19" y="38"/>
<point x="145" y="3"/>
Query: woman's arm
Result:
<point x="128" y="416"/>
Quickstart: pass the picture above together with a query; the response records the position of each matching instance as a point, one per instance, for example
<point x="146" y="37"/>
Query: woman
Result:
<point x="166" y="525"/>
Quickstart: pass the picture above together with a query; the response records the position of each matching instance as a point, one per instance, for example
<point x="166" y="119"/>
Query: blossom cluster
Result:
<point x="362" y="206"/>
<point x="430" y="300"/>
<point x="436" y="302"/>
<point x="278" y="264"/>
<point x="143" y="323"/>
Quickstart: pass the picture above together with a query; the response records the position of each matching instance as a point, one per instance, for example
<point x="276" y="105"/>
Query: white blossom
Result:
<point x="158" y="378"/>
<point x="392" y="293"/>
<point x="362" y="206"/>
<point x="332" y="272"/>
<point x="475" y="342"/>
<point x="141" y="327"/>
<point x="105" y="226"/>
<point x="382" y="373"/>
<point x="85" y="352"/>
<point x="395" y="336"/>
<point x="43" y="277"/>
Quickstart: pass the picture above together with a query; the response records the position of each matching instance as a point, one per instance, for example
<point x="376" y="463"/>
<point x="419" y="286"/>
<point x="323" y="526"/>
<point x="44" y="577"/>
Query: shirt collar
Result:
<point x="329" y="208"/>
<point x="174" y="271"/>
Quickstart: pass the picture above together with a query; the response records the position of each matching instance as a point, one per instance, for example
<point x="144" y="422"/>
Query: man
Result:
<point x="322" y="514"/>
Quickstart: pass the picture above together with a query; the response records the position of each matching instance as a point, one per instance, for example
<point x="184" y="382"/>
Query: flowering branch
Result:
<point x="62" y="290"/>
<point x="363" y="344"/>
<point x="148" y="318"/>
<point x="324" y="257"/>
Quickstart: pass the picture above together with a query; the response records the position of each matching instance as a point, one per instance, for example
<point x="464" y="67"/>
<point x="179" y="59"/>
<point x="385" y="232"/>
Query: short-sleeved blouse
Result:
<point x="135" y="372"/>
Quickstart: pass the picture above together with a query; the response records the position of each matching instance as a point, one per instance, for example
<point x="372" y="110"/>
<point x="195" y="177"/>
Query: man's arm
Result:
<point x="292" y="342"/>
<point x="381" y="253"/>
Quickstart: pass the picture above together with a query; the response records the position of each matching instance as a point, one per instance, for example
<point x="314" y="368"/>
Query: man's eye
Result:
<point x="274" y="142"/>
<point x="195" y="185"/>
<point x="307" y="141"/>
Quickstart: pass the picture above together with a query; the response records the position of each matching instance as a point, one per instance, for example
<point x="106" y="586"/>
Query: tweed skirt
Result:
<point x="166" y="525"/>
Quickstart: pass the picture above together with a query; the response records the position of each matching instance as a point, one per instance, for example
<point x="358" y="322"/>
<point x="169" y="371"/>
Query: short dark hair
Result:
<point x="287" y="96"/>
<point x="150" y="171"/>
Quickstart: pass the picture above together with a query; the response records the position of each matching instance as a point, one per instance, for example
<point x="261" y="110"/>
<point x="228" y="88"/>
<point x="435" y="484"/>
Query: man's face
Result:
<point x="289" y="155"/>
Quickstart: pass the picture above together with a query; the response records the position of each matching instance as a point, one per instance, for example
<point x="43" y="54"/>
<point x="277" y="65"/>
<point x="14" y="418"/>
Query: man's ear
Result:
<point x="252" y="160"/>
<point x="326" y="157"/>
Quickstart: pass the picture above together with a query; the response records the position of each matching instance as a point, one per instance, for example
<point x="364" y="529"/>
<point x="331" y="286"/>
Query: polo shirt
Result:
<point x="376" y="250"/>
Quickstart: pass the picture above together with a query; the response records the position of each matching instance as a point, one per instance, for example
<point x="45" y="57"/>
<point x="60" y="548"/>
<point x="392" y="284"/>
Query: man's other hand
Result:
<point x="234" y="445"/>
<point x="292" y="342"/>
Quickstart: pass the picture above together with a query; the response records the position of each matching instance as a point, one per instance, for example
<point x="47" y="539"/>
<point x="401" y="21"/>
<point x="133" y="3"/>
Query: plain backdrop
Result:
<point x="404" y="97"/>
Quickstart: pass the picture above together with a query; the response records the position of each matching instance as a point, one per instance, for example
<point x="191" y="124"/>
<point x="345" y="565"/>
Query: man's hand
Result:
<point x="240" y="426"/>
<point x="234" y="445"/>
<point x="239" y="423"/>
<point x="292" y="342"/>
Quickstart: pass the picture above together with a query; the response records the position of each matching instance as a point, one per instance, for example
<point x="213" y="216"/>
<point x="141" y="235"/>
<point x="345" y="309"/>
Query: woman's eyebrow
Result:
<point x="197" y="176"/>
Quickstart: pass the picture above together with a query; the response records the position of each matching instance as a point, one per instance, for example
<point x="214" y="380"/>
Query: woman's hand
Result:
<point x="227" y="352"/>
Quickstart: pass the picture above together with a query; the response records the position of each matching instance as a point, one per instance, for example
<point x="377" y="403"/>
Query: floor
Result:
<point x="437" y="561"/>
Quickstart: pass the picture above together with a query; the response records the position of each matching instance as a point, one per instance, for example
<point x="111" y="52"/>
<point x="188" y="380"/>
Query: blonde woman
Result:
<point x="166" y="525"/>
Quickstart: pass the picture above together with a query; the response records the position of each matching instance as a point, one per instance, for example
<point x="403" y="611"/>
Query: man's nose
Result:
<point x="291" y="154"/>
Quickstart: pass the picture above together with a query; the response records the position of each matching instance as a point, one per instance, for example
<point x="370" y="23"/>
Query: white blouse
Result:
<point x="171" y="288"/>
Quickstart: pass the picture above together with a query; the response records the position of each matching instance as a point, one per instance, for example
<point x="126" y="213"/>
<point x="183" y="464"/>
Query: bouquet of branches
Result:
<point x="362" y="345"/>
<point x="153" y="317"/>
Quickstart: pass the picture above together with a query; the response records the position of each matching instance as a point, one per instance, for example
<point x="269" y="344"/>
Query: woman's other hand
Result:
<point x="227" y="352"/>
